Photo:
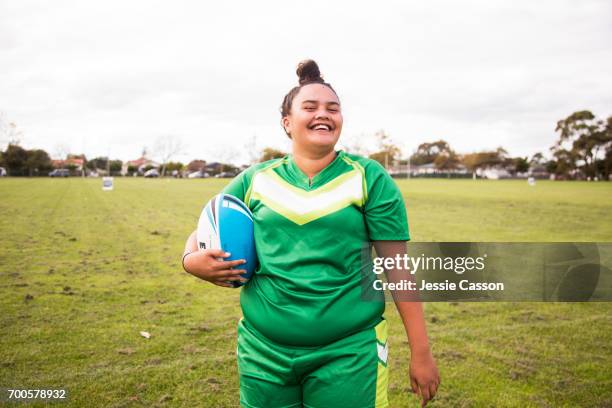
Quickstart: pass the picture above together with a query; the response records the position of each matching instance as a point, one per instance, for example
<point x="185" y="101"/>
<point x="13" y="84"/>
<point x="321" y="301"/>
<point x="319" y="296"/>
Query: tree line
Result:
<point x="583" y="151"/>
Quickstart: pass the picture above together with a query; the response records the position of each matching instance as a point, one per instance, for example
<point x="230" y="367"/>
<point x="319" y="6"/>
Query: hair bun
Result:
<point x="308" y="71"/>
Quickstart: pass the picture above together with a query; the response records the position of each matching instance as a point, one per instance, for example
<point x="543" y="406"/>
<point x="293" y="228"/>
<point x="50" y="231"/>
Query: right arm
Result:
<point x="205" y="264"/>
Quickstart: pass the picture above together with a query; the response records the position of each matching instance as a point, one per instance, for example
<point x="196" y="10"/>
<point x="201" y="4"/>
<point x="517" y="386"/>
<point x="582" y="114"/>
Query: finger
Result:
<point x="234" y="279"/>
<point x="231" y="264"/>
<point x="228" y="273"/>
<point x="414" y="386"/>
<point x="217" y="253"/>
<point x="219" y="264"/>
<point x="433" y="388"/>
<point x="224" y="284"/>
<point x="424" y="395"/>
<point x="199" y="259"/>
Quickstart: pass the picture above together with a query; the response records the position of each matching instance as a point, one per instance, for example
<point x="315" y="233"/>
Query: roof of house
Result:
<point x="138" y="162"/>
<point x="142" y="161"/>
<point x="69" y="161"/>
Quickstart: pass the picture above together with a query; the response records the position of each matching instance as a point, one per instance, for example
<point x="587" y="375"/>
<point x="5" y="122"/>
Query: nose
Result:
<point x="321" y="114"/>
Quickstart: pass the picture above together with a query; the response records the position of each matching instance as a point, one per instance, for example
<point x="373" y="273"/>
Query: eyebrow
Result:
<point x="315" y="102"/>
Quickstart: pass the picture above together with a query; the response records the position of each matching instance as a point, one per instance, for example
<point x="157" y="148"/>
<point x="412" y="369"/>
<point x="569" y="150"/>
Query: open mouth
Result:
<point x="321" y="126"/>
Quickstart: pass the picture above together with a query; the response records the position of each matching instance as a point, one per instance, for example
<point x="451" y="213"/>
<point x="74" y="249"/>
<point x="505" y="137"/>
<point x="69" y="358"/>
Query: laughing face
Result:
<point x="315" y="120"/>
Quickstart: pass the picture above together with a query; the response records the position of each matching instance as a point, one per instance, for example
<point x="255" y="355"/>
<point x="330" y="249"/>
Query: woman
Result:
<point x="308" y="337"/>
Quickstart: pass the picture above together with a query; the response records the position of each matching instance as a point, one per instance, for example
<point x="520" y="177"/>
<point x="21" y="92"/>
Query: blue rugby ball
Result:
<point x="227" y="223"/>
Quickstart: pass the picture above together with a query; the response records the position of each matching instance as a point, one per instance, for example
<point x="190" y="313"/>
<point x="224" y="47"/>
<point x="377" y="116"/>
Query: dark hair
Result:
<point x="308" y="72"/>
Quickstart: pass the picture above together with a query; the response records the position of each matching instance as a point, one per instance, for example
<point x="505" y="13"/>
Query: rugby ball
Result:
<point x="227" y="223"/>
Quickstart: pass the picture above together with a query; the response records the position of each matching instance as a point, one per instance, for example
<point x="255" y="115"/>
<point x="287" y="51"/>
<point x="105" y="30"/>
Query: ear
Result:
<point x="286" y="124"/>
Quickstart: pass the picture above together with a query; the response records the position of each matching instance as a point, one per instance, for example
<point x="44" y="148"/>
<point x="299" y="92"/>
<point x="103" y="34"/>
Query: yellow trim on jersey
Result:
<point x="382" y="372"/>
<point x="247" y="196"/>
<point x="359" y="168"/>
<point x="301" y="206"/>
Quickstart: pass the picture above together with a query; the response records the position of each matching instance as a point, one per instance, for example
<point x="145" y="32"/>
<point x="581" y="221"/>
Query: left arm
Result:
<point x="424" y="376"/>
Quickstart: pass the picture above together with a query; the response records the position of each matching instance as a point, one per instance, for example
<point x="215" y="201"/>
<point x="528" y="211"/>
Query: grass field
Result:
<point x="83" y="271"/>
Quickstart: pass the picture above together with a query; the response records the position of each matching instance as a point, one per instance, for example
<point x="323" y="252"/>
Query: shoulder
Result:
<point x="241" y="184"/>
<point x="249" y="172"/>
<point x="370" y="168"/>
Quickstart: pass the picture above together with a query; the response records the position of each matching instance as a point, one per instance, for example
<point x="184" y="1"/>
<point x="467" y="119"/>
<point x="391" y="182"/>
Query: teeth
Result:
<point x="322" y="127"/>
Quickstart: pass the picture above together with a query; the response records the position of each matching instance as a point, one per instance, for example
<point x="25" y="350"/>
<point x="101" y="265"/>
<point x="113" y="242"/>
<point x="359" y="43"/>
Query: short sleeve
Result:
<point x="385" y="211"/>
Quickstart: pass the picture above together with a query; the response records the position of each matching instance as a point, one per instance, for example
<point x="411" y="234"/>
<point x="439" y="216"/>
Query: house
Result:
<point x="214" y="167"/>
<point x="494" y="173"/>
<point x="423" y="169"/>
<point x="139" y="164"/>
<point x="77" y="161"/>
<point x="430" y="170"/>
<point x="539" y="171"/>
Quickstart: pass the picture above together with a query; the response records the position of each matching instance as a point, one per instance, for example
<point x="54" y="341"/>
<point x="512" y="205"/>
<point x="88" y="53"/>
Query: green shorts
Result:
<point x="350" y="372"/>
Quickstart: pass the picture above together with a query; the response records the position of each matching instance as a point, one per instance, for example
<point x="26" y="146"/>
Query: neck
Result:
<point x="312" y="163"/>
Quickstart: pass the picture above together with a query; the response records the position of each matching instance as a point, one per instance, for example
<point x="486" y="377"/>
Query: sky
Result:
<point x="113" y="78"/>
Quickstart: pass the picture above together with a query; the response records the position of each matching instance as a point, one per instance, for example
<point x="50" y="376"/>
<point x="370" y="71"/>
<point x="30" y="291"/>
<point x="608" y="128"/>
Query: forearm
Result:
<point x="414" y="324"/>
<point x="406" y="301"/>
<point x="191" y="245"/>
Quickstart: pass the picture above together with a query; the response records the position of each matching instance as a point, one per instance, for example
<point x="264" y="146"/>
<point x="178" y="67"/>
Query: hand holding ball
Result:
<point x="226" y="226"/>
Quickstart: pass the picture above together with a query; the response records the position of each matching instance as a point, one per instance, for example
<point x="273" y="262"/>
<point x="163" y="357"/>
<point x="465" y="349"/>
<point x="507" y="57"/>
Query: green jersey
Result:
<point x="310" y="236"/>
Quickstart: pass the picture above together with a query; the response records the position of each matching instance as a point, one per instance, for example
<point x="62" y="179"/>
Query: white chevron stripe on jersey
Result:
<point x="383" y="352"/>
<point x="302" y="206"/>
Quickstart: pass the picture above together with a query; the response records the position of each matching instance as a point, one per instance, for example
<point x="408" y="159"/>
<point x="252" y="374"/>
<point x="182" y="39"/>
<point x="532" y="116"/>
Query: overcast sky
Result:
<point x="111" y="77"/>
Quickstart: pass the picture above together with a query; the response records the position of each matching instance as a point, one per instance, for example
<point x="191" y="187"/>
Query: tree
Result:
<point x="472" y="162"/>
<point x="551" y="166"/>
<point x="485" y="159"/>
<point x="230" y="168"/>
<point x="196" y="165"/>
<point x="519" y="165"/>
<point x="172" y="166"/>
<point x="98" y="163"/>
<point x="71" y="168"/>
<point x="115" y="166"/>
<point x="166" y="147"/>
<point x="564" y="163"/>
<point x="585" y="137"/>
<point x="447" y="161"/>
<point x="605" y="165"/>
<point x="15" y="158"/>
<point x="270" y="153"/>
<point x="428" y="152"/>
<point x="37" y="161"/>
<point x="388" y="152"/>
<point x="537" y="159"/>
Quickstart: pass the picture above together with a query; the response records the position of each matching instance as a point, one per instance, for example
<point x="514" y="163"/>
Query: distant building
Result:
<point x="539" y="171"/>
<point x="196" y="165"/>
<point x="424" y="169"/>
<point x="494" y="173"/>
<point x="139" y="164"/>
<point x="214" y="167"/>
<point x="430" y="170"/>
<point x="72" y="160"/>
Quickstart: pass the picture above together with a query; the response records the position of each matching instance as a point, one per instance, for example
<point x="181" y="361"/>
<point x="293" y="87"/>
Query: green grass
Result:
<point x="83" y="271"/>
